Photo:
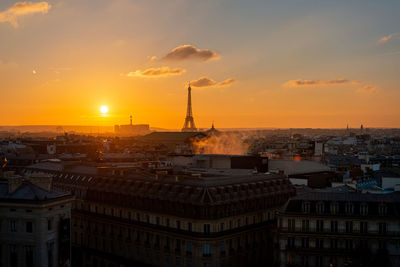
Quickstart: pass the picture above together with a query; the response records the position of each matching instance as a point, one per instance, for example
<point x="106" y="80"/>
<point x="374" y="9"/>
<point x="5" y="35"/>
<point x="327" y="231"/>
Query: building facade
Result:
<point x="34" y="222"/>
<point x="161" y="219"/>
<point x="336" y="228"/>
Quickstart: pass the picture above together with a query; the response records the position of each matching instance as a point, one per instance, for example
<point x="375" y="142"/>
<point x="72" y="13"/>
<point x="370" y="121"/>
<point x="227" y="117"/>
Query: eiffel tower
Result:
<point x="189" y="121"/>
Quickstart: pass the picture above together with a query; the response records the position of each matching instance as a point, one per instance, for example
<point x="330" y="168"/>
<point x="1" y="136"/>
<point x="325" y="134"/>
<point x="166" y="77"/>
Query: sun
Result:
<point x="104" y="109"/>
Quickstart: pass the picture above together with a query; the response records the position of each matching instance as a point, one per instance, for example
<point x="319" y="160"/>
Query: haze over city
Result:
<point x="289" y="64"/>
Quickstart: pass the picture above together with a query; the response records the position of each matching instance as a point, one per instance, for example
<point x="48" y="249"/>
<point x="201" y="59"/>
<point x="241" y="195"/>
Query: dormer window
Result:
<point x="306" y="207"/>
<point x="364" y="209"/>
<point x="334" y="208"/>
<point x="349" y="208"/>
<point x="382" y="209"/>
<point x="320" y="207"/>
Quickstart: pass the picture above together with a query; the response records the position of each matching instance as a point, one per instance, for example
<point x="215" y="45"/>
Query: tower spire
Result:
<point x="189" y="125"/>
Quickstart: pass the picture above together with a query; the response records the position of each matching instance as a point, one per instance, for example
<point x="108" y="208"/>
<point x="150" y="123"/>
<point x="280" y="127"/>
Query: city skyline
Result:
<point x="251" y="65"/>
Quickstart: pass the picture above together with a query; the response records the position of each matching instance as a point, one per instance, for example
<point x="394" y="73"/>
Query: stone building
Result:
<point x="34" y="222"/>
<point x="162" y="219"/>
<point x="340" y="227"/>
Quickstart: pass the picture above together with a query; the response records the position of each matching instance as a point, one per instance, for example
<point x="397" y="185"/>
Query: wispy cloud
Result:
<point x="184" y="52"/>
<point x="156" y="72"/>
<point x="367" y="89"/>
<point x="23" y="8"/>
<point x="151" y="58"/>
<point x="302" y="82"/>
<point x="386" y="38"/>
<point x="208" y="82"/>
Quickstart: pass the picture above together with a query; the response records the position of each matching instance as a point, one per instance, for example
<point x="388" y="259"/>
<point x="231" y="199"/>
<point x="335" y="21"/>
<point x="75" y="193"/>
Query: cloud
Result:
<point x="184" y="52"/>
<point x="23" y="8"/>
<point x="367" y="89"/>
<point x="386" y="38"/>
<point x="156" y="72"/>
<point x="151" y="58"/>
<point x="208" y="82"/>
<point x="302" y="82"/>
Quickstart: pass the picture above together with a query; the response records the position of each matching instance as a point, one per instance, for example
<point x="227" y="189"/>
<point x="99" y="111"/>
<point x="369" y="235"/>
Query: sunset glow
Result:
<point x="320" y="65"/>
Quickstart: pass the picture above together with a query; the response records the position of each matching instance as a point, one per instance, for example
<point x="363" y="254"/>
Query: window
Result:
<point x="178" y="225"/>
<point x="178" y="245"/>
<point x="206" y="228"/>
<point x="158" y="220"/>
<point x="29" y="227"/>
<point x="319" y="243"/>
<point x="167" y="222"/>
<point x="222" y="247"/>
<point x="13" y="226"/>
<point x="349" y="244"/>
<point x="382" y="209"/>
<point x="305" y="225"/>
<point x="319" y="261"/>
<point x="364" y="209"/>
<point x="349" y="208"/>
<point x="363" y="227"/>
<point x="49" y="224"/>
<point x="50" y="249"/>
<point x="206" y="250"/>
<point x="320" y="225"/>
<point x="305" y="207"/>
<point x="291" y="242"/>
<point x="189" y="227"/>
<point x="291" y="225"/>
<point x="334" y="226"/>
<point x="29" y="256"/>
<point x="189" y="248"/>
<point x="137" y="236"/>
<point x="382" y="244"/>
<point x="221" y="227"/>
<point x="157" y="241"/>
<point x="364" y="244"/>
<point x="167" y="242"/>
<point x="305" y="243"/>
<point x="13" y="255"/>
<point x="334" y="244"/>
<point x="382" y="228"/>
<point x="349" y="227"/>
<point x="320" y="207"/>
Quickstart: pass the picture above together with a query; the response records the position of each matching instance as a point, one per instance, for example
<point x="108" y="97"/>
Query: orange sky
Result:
<point x="256" y="65"/>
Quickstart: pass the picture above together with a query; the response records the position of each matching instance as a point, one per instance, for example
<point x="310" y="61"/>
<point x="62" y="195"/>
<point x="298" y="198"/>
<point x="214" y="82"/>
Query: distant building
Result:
<point x="176" y="142"/>
<point x="34" y="222"/>
<point x="131" y="129"/>
<point x="218" y="161"/>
